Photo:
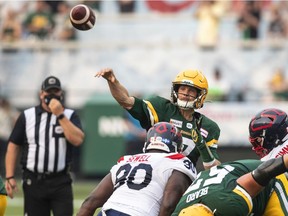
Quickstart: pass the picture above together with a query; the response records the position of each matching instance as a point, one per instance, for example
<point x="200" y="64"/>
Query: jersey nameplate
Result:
<point x="176" y="123"/>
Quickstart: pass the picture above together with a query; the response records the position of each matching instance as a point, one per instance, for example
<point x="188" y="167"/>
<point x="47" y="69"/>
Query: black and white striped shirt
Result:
<point x="44" y="147"/>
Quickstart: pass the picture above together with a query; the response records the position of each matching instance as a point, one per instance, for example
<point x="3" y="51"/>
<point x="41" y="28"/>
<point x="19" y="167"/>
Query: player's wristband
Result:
<point x="8" y="178"/>
<point x="61" y="116"/>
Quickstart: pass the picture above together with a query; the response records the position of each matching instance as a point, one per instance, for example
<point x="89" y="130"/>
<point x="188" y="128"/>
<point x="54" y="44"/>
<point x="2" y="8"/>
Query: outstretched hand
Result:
<point x="106" y="73"/>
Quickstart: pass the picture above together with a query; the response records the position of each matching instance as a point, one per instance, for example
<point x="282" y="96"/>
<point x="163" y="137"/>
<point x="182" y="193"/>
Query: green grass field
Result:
<point x="81" y="190"/>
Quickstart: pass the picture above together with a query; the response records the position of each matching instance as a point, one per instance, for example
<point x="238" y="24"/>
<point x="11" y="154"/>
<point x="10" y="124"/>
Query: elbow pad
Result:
<point x="268" y="170"/>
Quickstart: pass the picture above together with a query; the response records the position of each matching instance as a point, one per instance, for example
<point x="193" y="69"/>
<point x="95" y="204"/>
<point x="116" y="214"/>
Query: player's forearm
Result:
<point x="72" y="133"/>
<point x="168" y="204"/>
<point x="207" y="157"/>
<point x="11" y="159"/>
<point x="215" y="162"/>
<point x="254" y="181"/>
<point x="121" y="95"/>
<point x="285" y="159"/>
<point x="174" y="189"/>
<point x="87" y="208"/>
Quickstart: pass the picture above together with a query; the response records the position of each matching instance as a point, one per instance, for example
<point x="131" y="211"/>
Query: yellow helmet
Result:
<point x="196" y="210"/>
<point x="193" y="78"/>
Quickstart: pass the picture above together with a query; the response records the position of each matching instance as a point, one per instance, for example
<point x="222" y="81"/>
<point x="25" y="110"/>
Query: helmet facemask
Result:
<point x="197" y="103"/>
<point x="257" y="144"/>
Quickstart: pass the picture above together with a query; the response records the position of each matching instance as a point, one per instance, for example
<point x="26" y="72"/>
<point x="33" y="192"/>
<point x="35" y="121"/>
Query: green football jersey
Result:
<point x="215" y="188"/>
<point x="2" y="187"/>
<point x="157" y="109"/>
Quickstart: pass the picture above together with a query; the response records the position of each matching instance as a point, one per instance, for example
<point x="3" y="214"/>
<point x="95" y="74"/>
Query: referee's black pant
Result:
<point x="44" y="194"/>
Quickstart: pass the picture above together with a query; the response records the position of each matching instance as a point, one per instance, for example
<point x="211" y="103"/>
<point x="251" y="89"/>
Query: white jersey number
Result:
<point x="216" y="177"/>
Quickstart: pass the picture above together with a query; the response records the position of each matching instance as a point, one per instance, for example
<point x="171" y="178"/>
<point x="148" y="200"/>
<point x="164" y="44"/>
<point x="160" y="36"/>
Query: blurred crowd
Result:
<point x="50" y="19"/>
<point x="44" y="20"/>
<point x="37" y="20"/>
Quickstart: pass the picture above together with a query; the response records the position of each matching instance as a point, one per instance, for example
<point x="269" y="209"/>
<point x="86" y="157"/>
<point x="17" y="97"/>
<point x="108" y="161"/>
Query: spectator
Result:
<point x="145" y="184"/>
<point x="54" y="6"/>
<point x="283" y="10"/>
<point x="126" y="6"/>
<point x="39" y="23"/>
<point x="94" y="4"/>
<point x="279" y="86"/>
<point x="209" y="14"/>
<point x="46" y="134"/>
<point x="19" y="7"/>
<point x="11" y="29"/>
<point x="277" y="27"/>
<point x="8" y="117"/>
<point x="249" y="21"/>
<point x="219" y="87"/>
<point x="64" y="30"/>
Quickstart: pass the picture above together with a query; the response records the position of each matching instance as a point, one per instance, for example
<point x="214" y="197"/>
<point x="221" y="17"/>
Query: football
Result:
<point x="82" y="17"/>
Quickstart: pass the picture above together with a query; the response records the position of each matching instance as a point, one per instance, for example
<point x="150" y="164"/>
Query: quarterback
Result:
<point x="188" y="93"/>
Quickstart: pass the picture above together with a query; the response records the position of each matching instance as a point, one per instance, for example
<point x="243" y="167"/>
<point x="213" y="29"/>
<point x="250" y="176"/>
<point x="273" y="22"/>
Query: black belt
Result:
<point x="46" y="175"/>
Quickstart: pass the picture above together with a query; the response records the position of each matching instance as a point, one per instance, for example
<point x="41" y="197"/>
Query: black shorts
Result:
<point x="44" y="193"/>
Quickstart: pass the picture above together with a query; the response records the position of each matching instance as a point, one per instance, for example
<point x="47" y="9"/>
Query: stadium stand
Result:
<point x="146" y="49"/>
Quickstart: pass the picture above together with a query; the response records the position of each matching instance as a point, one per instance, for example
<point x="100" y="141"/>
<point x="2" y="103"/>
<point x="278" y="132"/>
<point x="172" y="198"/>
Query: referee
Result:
<point x="46" y="135"/>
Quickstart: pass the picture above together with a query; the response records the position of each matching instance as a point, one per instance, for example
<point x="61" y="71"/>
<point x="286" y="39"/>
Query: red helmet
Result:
<point x="267" y="130"/>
